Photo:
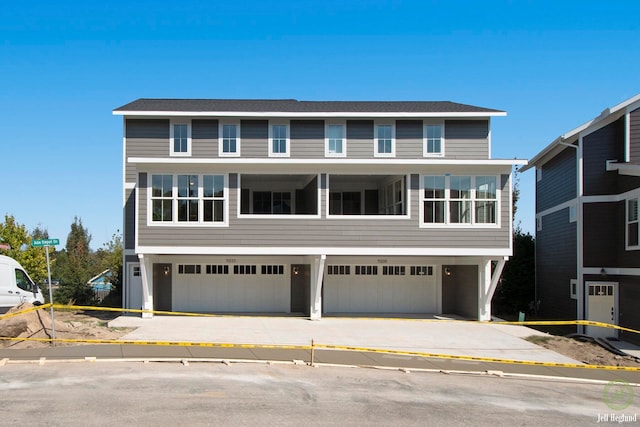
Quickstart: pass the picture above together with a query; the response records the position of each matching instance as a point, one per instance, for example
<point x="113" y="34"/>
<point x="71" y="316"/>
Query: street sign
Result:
<point x="45" y="242"/>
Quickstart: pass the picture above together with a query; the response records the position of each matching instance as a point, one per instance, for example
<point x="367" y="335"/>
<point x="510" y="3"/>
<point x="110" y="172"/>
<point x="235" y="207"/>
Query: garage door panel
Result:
<point x="397" y="291"/>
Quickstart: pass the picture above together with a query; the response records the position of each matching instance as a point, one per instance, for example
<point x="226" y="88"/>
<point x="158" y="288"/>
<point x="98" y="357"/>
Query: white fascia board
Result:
<point x="324" y="161"/>
<point x="318" y="251"/>
<point x="296" y="114"/>
<point x="624" y="168"/>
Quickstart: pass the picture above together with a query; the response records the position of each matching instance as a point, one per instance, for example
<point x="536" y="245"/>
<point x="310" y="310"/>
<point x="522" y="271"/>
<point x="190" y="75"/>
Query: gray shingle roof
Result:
<point x="295" y="106"/>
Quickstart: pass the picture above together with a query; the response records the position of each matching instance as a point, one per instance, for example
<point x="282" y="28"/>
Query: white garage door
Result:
<point x="231" y="288"/>
<point x="380" y="289"/>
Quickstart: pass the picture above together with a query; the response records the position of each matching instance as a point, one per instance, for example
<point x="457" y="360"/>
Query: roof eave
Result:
<point x="296" y="114"/>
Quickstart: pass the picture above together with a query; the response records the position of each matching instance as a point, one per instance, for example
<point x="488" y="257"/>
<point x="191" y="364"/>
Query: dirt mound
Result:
<point x="71" y="325"/>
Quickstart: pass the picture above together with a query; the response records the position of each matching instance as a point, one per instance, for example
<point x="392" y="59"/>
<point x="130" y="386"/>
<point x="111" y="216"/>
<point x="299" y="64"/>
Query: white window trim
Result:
<point x="221" y="125"/>
<point x="173" y="153"/>
<point x="363" y="217"/>
<point x="344" y="138"/>
<point x="174" y="204"/>
<point x="425" y="144"/>
<point x="573" y="295"/>
<point x="627" y="222"/>
<point x="375" y="139"/>
<point x="277" y="216"/>
<point x="447" y="199"/>
<point x="287" y="124"/>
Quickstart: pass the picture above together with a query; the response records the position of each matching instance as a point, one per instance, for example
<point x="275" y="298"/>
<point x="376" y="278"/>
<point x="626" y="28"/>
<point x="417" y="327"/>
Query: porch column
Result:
<point x="146" y="274"/>
<point x="317" y="275"/>
<point x="487" y="287"/>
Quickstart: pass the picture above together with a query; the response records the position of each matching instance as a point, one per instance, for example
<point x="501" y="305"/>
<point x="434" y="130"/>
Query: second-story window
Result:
<point x="180" y="139"/>
<point x="459" y="200"/>
<point x="162" y="198"/>
<point x="229" y="142"/>
<point x="335" y="143"/>
<point x="384" y="141"/>
<point x="279" y="140"/>
<point x="433" y="140"/>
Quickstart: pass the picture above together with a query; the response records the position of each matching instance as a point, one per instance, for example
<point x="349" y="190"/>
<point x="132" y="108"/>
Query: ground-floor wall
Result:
<point x="309" y="285"/>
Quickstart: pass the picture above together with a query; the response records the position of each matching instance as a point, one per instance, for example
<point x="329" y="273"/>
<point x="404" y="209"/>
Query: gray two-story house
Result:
<point x="587" y="251"/>
<point x="286" y="206"/>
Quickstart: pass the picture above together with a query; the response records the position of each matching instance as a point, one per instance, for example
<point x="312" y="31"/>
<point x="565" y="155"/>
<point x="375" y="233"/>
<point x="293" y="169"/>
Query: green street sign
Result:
<point x="45" y="242"/>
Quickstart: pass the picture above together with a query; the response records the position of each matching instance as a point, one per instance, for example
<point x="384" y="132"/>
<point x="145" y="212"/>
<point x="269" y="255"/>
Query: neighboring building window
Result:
<point x="335" y="141"/>
<point x="193" y="199"/>
<point x="633" y="232"/>
<point x="433" y="140"/>
<point x="180" y="137"/>
<point x="229" y="141"/>
<point x="573" y="289"/>
<point x="459" y="200"/>
<point x="385" y="141"/>
<point x="279" y="140"/>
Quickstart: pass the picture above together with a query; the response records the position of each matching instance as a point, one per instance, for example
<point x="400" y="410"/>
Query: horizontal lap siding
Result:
<point x="314" y="232"/>
<point x="254" y="137"/>
<point x="604" y="144"/>
<point x="635" y="136"/>
<point x="129" y="219"/>
<point x="360" y="139"/>
<point x="466" y="139"/>
<point x="558" y="183"/>
<point x="556" y="265"/>
<point x="145" y="138"/>
<point x="629" y="300"/>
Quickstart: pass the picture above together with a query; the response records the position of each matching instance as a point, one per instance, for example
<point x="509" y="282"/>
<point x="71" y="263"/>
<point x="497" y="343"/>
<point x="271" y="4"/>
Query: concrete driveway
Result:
<point x="418" y="335"/>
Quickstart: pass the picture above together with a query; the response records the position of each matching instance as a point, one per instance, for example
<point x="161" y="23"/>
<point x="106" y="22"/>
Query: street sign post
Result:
<point x="46" y="243"/>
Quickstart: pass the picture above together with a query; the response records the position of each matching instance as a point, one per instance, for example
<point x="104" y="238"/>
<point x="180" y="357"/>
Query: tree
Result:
<point x="31" y="258"/>
<point x="110" y="258"/>
<point x="74" y="267"/>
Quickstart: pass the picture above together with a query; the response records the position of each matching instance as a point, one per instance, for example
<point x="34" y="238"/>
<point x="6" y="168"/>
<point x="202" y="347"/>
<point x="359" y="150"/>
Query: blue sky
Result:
<point x="552" y="65"/>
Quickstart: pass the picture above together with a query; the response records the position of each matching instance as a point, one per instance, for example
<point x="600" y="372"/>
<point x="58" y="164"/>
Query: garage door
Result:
<point x="380" y="289"/>
<point x="231" y="288"/>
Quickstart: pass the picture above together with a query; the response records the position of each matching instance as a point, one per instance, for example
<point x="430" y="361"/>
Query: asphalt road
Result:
<point x="127" y="393"/>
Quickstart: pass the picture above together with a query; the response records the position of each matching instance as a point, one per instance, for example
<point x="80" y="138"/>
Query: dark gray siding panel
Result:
<point x="558" y="183"/>
<point x="605" y="237"/>
<point x="147" y="128"/>
<point x="556" y="266"/>
<point x="204" y="129"/>
<point x="604" y="144"/>
<point x="204" y="138"/>
<point x="635" y="136"/>
<point x="307" y="138"/>
<point x="629" y="301"/>
<point x="466" y="139"/>
<point x="129" y="225"/>
<point x="601" y="224"/>
<point x="360" y="138"/>
<point x="254" y="136"/>
<point x="409" y="138"/>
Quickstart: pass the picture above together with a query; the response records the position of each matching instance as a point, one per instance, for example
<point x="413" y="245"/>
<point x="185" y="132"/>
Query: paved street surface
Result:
<point x="107" y="394"/>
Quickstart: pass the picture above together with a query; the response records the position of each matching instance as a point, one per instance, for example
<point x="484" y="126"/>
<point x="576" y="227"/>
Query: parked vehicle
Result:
<point x="16" y="286"/>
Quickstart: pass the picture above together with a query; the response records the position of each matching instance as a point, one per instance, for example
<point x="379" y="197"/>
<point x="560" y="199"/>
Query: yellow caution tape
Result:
<point x="28" y="310"/>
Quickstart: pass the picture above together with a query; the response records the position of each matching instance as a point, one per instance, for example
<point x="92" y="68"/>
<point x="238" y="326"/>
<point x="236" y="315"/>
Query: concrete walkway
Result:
<point x="416" y="335"/>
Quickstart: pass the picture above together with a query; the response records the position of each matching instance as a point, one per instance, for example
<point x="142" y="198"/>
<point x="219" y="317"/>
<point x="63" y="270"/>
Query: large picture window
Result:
<point x="188" y="199"/>
<point x="459" y="200"/>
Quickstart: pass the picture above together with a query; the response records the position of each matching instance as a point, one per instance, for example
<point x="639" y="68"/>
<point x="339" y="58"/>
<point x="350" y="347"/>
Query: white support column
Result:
<point x="316" y="287"/>
<point x="484" y="284"/>
<point x="146" y="274"/>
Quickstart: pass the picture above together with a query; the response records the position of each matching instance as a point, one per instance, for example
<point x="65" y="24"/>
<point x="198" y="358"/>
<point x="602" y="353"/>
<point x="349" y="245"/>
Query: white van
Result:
<point x="16" y="286"/>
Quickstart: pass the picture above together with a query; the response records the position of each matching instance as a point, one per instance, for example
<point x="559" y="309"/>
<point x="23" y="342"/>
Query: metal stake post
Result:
<point x="53" y="323"/>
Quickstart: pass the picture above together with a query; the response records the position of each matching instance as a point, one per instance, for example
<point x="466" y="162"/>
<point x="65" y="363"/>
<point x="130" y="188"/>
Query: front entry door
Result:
<point x="162" y="287"/>
<point x="300" y="288"/>
<point x="601" y="307"/>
